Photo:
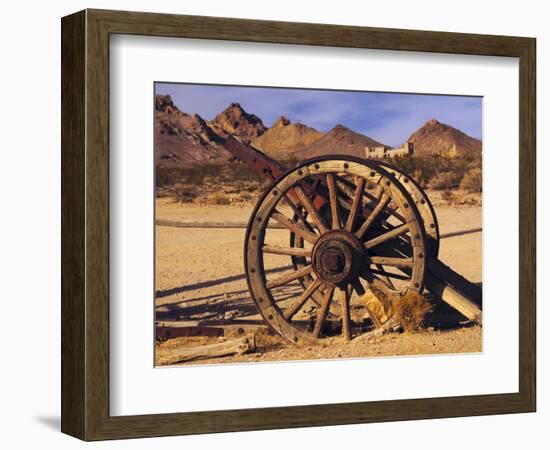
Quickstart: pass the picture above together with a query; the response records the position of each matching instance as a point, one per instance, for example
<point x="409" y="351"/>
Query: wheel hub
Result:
<point x="337" y="257"/>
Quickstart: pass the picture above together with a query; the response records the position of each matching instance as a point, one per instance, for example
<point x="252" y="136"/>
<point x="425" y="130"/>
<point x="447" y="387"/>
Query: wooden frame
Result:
<point x="85" y="224"/>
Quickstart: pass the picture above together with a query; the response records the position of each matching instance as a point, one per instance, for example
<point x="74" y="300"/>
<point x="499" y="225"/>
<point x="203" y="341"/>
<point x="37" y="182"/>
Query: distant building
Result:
<point x="383" y="152"/>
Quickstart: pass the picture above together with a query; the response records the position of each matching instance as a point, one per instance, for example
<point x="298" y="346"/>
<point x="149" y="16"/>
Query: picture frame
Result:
<point x="85" y="224"/>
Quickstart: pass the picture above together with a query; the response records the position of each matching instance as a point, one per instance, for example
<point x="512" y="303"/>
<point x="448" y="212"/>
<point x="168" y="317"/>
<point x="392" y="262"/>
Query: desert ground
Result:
<point x="200" y="282"/>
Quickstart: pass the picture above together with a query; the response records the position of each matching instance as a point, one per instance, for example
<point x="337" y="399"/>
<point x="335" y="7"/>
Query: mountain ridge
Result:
<point x="436" y="138"/>
<point x="182" y="138"/>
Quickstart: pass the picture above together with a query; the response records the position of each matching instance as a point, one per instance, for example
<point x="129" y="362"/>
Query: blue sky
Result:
<point x="387" y="117"/>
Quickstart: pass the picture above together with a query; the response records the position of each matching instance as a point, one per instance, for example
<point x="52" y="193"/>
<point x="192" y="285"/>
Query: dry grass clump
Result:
<point x="410" y="309"/>
<point x="405" y="311"/>
<point x="183" y="194"/>
<point x="448" y="196"/>
<point x="220" y="199"/>
<point x="266" y="341"/>
<point x="445" y="180"/>
<point x="472" y="180"/>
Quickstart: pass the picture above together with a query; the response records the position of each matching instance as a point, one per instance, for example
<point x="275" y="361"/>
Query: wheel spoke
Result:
<point x="334" y="206"/>
<point x="390" y="261"/>
<point x="388" y="275"/>
<point x="346" y="322"/>
<point x="382" y="203"/>
<point x="290" y="251"/>
<point x="294" y="227"/>
<point x="393" y="233"/>
<point x="298" y="214"/>
<point x="285" y="279"/>
<point x="314" y="214"/>
<point x="356" y="204"/>
<point x="322" y="311"/>
<point x="291" y="311"/>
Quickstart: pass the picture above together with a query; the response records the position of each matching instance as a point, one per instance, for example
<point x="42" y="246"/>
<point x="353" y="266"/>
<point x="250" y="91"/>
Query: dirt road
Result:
<point x="199" y="278"/>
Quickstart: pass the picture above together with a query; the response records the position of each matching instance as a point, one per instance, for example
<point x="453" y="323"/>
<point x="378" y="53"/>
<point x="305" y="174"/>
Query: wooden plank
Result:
<point x="240" y="346"/>
<point x="163" y="333"/>
<point x="444" y="272"/>
<point x="454" y="298"/>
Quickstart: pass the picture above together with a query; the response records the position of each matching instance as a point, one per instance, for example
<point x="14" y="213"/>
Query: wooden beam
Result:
<point x="240" y="346"/>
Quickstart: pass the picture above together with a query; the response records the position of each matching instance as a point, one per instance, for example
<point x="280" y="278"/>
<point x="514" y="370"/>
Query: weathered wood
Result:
<point x="291" y="311"/>
<point x="294" y="227"/>
<point x="239" y="346"/>
<point x="346" y="321"/>
<point x="167" y="332"/>
<point x="334" y="205"/>
<point x="382" y="203"/>
<point x="312" y="211"/>
<point x="290" y="277"/>
<point x="290" y="251"/>
<point x="355" y="204"/>
<point x="390" y="261"/>
<point x="180" y="224"/>
<point x="323" y="310"/>
<point x="444" y="272"/>
<point x="397" y="231"/>
<point x="454" y="298"/>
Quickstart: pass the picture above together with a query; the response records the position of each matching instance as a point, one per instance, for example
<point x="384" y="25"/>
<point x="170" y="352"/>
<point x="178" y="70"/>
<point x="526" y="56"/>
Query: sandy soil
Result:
<point x="200" y="280"/>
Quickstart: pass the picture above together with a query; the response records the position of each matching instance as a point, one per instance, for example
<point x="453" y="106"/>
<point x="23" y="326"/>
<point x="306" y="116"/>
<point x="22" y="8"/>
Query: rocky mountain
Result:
<point x="338" y="141"/>
<point x="284" y="139"/>
<point x="436" y="138"/>
<point x="236" y="121"/>
<point x="181" y="138"/>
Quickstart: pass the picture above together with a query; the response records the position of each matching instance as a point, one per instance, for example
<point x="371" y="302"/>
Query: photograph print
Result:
<point x="304" y="224"/>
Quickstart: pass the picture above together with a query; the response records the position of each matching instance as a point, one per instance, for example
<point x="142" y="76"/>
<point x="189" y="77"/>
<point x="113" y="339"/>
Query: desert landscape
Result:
<point x="205" y="197"/>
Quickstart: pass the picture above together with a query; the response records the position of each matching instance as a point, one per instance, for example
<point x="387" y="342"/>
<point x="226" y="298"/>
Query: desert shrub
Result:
<point x="199" y="174"/>
<point x="427" y="169"/>
<point x="447" y="196"/>
<point x="237" y="171"/>
<point x="410" y="310"/>
<point x="472" y="180"/>
<point x="184" y="194"/>
<point x="445" y="180"/>
<point x="220" y="199"/>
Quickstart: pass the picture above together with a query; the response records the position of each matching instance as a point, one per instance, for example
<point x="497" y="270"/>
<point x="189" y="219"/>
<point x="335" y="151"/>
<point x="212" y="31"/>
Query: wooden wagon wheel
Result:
<point x="350" y="241"/>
